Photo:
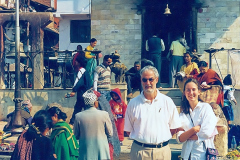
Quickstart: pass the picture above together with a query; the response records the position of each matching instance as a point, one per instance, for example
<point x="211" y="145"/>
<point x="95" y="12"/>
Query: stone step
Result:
<point x="174" y="93"/>
<point x="177" y="100"/>
<point x="171" y="92"/>
<point x="165" y="85"/>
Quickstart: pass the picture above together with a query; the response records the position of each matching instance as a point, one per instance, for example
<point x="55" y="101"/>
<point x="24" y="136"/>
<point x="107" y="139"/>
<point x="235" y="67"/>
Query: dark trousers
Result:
<point x="77" y="108"/>
<point x="133" y="82"/>
<point x="156" y="58"/>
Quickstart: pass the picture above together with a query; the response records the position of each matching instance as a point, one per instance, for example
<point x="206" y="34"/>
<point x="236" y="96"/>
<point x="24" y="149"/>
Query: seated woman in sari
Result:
<point x="208" y="77"/>
<point x="189" y="68"/>
<point x="92" y="63"/>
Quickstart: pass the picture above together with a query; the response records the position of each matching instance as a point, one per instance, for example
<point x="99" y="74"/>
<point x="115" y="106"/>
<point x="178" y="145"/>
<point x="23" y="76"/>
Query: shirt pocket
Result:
<point x="160" y="114"/>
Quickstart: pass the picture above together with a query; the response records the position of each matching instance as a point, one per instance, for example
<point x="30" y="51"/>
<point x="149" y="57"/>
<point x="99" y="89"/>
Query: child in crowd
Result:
<point x="228" y="98"/>
<point x="118" y="107"/>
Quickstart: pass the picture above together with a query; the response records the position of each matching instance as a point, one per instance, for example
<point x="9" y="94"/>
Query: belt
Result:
<point x="160" y="145"/>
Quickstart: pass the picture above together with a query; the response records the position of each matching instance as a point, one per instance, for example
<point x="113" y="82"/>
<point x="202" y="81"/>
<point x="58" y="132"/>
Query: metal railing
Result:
<point x="58" y="71"/>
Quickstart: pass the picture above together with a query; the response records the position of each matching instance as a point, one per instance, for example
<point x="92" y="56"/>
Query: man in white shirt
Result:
<point x="150" y="119"/>
<point x="155" y="46"/>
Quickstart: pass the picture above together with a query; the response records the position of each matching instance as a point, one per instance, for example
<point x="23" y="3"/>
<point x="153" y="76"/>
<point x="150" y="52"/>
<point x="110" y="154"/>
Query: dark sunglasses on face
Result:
<point x="150" y="79"/>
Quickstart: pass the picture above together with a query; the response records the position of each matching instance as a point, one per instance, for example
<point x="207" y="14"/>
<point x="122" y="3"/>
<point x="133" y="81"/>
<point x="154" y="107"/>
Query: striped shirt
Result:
<point x="102" y="77"/>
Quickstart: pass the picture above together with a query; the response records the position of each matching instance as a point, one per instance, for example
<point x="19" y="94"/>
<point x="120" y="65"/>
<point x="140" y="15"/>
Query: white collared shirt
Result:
<point x="151" y="122"/>
<point x="204" y="116"/>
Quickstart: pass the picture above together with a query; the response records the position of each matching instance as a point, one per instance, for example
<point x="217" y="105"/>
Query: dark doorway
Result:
<point x="168" y="27"/>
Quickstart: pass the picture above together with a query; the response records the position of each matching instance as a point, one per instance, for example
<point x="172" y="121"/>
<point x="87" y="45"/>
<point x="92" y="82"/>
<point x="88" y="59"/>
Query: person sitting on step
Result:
<point x="133" y="79"/>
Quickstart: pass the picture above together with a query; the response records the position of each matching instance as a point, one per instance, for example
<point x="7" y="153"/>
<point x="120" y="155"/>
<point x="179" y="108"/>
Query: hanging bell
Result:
<point x="11" y="53"/>
<point x="167" y="11"/>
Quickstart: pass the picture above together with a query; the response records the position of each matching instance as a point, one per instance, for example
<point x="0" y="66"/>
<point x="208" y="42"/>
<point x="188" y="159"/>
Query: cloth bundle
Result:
<point x="180" y="75"/>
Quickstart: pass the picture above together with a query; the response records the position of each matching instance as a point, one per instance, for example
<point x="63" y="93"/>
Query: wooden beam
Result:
<point x="42" y="18"/>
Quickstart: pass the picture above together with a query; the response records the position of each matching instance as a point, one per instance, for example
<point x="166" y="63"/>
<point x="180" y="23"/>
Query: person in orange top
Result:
<point x="118" y="107"/>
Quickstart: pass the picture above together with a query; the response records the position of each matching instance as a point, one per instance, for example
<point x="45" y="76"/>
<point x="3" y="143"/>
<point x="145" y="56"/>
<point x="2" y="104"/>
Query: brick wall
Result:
<point x="218" y="26"/>
<point x="116" y="26"/>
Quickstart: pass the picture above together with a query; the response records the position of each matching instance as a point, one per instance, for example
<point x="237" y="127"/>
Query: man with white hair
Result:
<point x="92" y="127"/>
<point x="151" y="119"/>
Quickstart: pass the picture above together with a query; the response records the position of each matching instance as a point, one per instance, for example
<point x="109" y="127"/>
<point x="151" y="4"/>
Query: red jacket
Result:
<point x="118" y="107"/>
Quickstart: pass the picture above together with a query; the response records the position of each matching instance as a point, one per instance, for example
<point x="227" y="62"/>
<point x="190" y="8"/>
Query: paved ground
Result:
<point x="125" y="149"/>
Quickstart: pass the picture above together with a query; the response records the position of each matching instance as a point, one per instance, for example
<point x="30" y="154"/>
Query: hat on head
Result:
<point x="27" y="103"/>
<point x="97" y="93"/>
<point x="89" y="97"/>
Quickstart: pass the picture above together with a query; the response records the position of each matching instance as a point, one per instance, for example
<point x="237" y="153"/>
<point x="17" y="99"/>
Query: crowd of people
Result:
<point x="100" y="117"/>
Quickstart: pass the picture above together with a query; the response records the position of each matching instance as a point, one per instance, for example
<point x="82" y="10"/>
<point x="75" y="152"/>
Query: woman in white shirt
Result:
<point x="198" y="123"/>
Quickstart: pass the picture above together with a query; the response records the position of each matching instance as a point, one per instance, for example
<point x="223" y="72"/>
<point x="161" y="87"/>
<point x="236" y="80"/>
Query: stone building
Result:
<point x="118" y="27"/>
<point x="125" y="26"/>
<point x="113" y="23"/>
<point x="218" y="27"/>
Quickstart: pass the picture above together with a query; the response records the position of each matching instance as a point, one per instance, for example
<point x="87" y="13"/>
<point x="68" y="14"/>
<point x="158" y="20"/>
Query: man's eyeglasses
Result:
<point x="150" y="79"/>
